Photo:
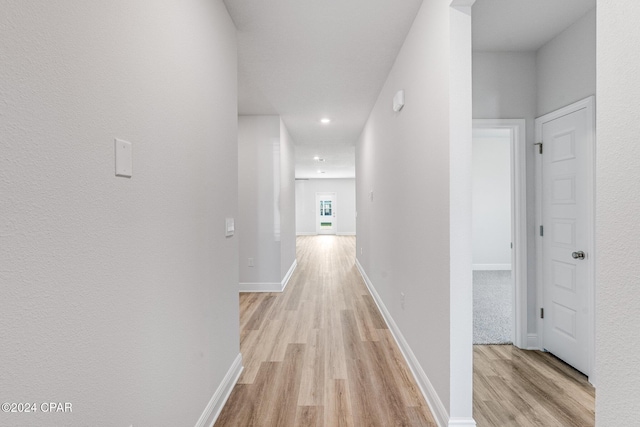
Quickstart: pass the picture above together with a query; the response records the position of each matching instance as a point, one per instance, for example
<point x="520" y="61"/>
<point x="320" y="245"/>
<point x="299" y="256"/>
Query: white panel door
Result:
<point x="565" y="238"/>
<point x="326" y="213"/>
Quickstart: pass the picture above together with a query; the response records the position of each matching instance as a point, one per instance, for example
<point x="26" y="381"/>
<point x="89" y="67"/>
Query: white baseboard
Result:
<point x="269" y="286"/>
<point x="485" y="267"/>
<point x="433" y="400"/>
<point x="287" y="276"/>
<point x="532" y="342"/>
<point x="462" y="422"/>
<point x="309" y="233"/>
<point x="213" y="408"/>
<point x="260" y="287"/>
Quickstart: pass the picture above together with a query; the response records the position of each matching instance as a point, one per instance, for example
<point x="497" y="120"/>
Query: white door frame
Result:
<point x="589" y="104"/>
<point x="517" y="128"/>
<point x="334" y="204"/>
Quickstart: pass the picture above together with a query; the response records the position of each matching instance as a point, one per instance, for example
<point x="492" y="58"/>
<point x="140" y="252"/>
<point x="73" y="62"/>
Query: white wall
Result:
<point x="266" y="224"/>
<point x="118" y="295"/>
<point x="565" y="66"/>
<point x="287" y="201"/>
<point x="258" y="225"/>
<point x="617" y="207"/>
<point x="504" y="87"/>
<point x="404" y="238"/>
<point x="306" y="210"/>
<point x="491" y="200"/>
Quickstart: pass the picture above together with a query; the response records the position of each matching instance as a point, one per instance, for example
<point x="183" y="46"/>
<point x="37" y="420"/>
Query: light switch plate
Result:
<point x="230" y="227"/>
<point x="124" y="158"/>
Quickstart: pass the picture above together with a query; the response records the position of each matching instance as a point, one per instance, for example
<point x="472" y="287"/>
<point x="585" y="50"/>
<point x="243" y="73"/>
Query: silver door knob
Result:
<point x="578" y="255"/>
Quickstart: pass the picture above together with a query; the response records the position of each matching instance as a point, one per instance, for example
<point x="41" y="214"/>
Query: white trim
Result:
<point x="260" y="287"/>
<point x="588" y="104"/>
<point x="433" y="400"/>
<point x="342" y="233"/>
<point x="269" y="286"/>
<point x="518" y="220"/>
<point x="532" y="342"/>
<point x="491" y="267"/>
<point x="460" y="349"/>
<point x="539" y="272"/>
<point x="212" y="410"/>
<point x="462" y="422"/>
<point x="287" y="276"/>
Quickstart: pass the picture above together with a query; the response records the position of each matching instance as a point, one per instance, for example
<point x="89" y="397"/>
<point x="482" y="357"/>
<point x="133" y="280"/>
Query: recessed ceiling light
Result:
<point x="325" y="120"/>
<point x="319" y="171"/>
<point x="316" y="158"/>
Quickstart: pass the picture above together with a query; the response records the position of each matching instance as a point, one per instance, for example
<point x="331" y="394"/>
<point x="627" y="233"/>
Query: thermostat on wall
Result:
<point x="398" y="101"/>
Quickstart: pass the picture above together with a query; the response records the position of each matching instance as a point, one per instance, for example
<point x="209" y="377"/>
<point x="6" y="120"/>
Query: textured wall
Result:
<point x="566" y="66"/>
<point x="617" y="207"/>
<point x="504" y="85"/>
<point x="118" y="295"/>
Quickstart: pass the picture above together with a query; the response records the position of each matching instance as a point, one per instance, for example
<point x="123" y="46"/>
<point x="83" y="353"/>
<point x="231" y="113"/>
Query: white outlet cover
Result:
<point x="124" y="158"/>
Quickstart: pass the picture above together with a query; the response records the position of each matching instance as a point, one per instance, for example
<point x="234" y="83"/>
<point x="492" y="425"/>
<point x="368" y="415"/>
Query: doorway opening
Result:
<point x="326" y="215"/>
<point x="499" y="232"/>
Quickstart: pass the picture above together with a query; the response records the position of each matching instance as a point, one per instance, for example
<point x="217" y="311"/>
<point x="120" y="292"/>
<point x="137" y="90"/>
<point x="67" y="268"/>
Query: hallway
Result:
<point x="320" y="353"/>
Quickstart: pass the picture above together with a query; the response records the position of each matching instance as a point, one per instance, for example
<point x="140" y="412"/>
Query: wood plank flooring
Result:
<point x="320" y="354"/>
<point x="514" y="387"/>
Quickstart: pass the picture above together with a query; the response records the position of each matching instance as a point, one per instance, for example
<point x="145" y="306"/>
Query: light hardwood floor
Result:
<point x="320" y="354"/>
<point x="514" y="387"/>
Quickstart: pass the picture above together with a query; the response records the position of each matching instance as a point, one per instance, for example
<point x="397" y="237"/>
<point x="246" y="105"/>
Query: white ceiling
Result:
<point x="523" y="25"/>
<point x="305" y="60"/>
<point x="339" y="161"/>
